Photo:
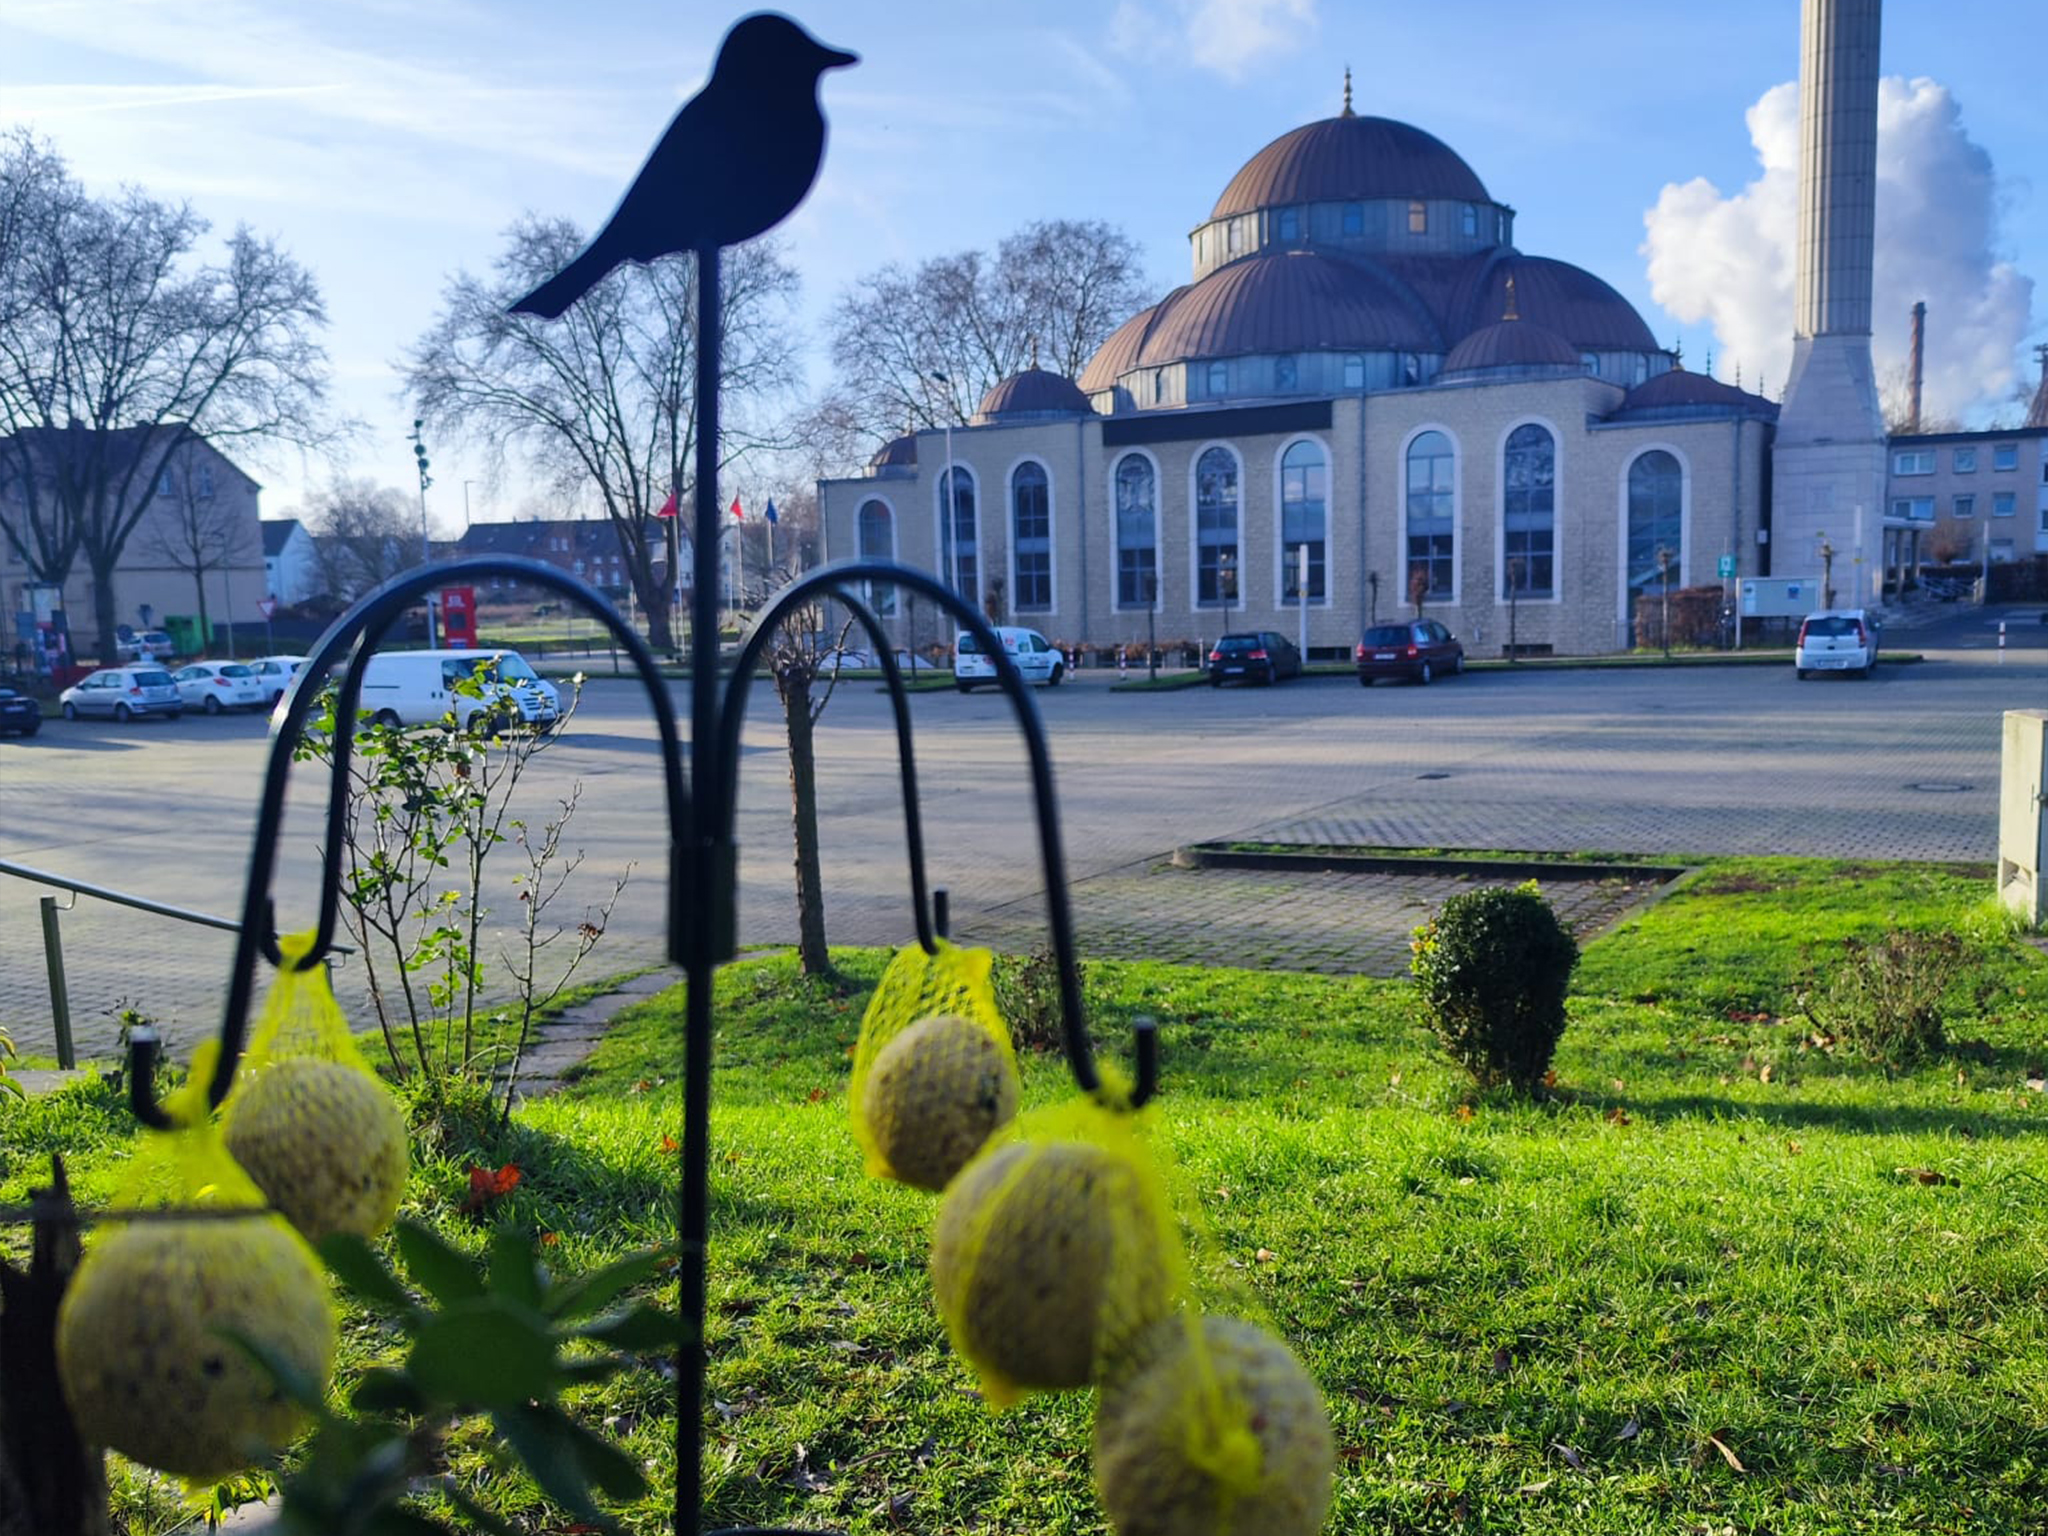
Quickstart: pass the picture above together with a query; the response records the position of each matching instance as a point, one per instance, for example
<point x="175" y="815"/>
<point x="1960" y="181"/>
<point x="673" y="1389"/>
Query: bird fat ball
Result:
<point x="934" y="1095"/>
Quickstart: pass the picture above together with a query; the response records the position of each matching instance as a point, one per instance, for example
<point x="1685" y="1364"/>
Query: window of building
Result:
<point x="165" y="485"/>
<point x="1590" y="361"/>
<point x="1529" y="512"/>
<point x="1219" y="378"/>
<point x="875" y="537"/>
<point x="1418" y="217"/>
<point x="1431" y="526"/>
<point x="1656" y="498"/>
<point x="1284" y="372"/>
<point x="2005" y="455"/>
<point x="1471" y="219"/>
<point x="2001" y="504"/>
<point x="1290" y="224"/>
<point x="1913" y="461"/>
<point x="1216" y="545"/>
<point x="1411" y="370"/>
<point x="1158" y="385"/>
<point x="1354" y="218"/>
<point x="1233" y="237"/>
<point x="2001" y="551"/>
<point x="1965" y="461"/>
<point x="1354" y="371"/>
<point x="958" y="547"/>
<point x="1304" y="521"/>
<point x="1914" y="509"/>
<point x="1965" y="506"/>
<point x="1137" y="532"/>
<point x="1031" y="537"/>
<point x="206" y="482"/>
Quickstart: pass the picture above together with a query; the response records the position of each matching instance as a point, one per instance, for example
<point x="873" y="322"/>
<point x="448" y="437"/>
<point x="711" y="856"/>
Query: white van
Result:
<point x="1037" y="658"/>
<point x="421" y="688"/>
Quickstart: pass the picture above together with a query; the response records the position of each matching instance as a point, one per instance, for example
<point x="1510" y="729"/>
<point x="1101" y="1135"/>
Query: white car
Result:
<point x="1036" y="657"/>
<point x="276" y="673"/>
<point x="1836" y="640"/>
<point x="217" y="685"/>
<point x="148" y="645"/>
<point x="123" y="693"/>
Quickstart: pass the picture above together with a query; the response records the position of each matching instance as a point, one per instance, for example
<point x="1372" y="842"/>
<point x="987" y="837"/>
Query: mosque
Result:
<point x="1368" y="402"/>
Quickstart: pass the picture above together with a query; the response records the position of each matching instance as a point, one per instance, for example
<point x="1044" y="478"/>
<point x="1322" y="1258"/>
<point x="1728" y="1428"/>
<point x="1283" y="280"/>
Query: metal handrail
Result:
<point x="124" y="899"/>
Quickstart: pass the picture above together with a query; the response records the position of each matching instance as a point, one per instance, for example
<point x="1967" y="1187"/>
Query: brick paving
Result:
<point x="1648" y="763"/>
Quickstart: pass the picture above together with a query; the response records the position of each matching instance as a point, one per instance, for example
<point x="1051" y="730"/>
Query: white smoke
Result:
<point x="1729" y="261"/>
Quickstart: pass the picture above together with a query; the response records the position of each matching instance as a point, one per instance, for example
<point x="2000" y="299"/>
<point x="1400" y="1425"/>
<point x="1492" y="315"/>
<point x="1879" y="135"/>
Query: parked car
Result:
<point x="1418" y="649"/>
<point x="217" y="685"/>
<point x="123" y="693"/>
<point x="276" y="673"/>
<point x="1036" y="657"/>
<point x="20" y="714"/>
<point x="1836" y="640"/>
<point x="1261" y="656"/>
<point x="426" y="687"/>
<point x="145" y="645"/>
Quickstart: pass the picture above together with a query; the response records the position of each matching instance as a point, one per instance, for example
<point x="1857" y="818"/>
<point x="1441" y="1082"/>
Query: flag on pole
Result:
<point x="737" y="515"/>
<point x="668" y="508"/>
<point x="768" y="512"/>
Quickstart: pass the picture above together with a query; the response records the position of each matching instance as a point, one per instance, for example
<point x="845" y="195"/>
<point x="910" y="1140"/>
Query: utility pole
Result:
<point x="419" y="452"/>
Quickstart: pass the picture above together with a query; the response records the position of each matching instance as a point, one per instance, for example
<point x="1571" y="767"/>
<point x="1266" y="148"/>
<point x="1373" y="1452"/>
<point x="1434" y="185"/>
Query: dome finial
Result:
<point x="1511" y="313"/>
<point x="1034" y="351"/>
<point x="1347" y="93"/>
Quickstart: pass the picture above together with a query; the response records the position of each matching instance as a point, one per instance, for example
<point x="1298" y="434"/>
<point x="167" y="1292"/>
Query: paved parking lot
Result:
<point x="1647" y="762"/>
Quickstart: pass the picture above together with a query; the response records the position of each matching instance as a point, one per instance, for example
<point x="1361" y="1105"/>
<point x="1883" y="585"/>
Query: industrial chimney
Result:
<point x="1914" y="368"/>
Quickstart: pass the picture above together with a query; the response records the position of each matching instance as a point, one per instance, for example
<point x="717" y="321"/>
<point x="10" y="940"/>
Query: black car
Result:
<point x="1264" y="656"/>
<point x="20" y="715"/>
<point x="1418" y="650"/>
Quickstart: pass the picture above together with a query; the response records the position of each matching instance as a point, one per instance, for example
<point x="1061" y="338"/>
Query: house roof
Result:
<point x="277" y="532"/>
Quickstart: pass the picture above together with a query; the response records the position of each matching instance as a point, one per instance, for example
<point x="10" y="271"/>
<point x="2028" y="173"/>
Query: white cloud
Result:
<point x="1225" y="37"/>
<point x="1729" y="260"/>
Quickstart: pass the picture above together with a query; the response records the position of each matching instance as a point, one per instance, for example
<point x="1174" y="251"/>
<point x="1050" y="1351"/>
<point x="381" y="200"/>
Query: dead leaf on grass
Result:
<point x="1617" y="1116"/>
<point x="1571" y="1457"/>
<point x="1925" y="1176"/>
<point x="1628" y="1431"/>
<point x="1727" y="1455"/>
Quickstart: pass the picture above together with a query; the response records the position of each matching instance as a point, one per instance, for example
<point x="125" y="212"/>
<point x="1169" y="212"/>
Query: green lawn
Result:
<point x="1724" y="1278"/>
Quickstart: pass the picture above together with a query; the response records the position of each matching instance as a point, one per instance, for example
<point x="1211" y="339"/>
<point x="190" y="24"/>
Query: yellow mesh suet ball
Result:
<point x="325" y="1143"/>
<point x="1212" y="1428"/>
<point x="934" y="1094"/>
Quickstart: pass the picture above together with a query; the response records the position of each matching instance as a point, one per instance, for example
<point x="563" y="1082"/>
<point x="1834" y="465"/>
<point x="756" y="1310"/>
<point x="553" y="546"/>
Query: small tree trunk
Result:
<point x="205" y="619"/>
<point x="50" y="1483"/>
<point x="793" y="683"/>
<point x="103" y="607"/>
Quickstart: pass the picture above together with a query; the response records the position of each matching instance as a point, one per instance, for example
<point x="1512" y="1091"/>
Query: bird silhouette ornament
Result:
<point x="737" y="159"/>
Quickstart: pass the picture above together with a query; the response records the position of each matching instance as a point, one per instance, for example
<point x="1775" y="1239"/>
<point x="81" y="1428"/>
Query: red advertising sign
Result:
<point x="458" y="617"/>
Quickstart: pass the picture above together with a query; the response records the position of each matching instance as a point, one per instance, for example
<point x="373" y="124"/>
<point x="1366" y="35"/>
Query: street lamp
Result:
<point x="950" y="532"/>
<point x="465" y="504"/>
<point x="419" y="452"/>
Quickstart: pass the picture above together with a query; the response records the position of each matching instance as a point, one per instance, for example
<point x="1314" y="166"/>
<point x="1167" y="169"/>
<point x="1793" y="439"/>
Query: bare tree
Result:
<point x="802" y="657"/>
<point x="602" y="402"/>
<point x="923" y="347"/>
<point x="195" y="531"/>
<point x="364" y="534"/>
<point x="116" y="350"/>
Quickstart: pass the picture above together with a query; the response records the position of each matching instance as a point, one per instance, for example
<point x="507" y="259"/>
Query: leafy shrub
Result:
<point x="1493" y="966"/>
<point x="1028" y="993"/>
<point x="1885" y="997"/>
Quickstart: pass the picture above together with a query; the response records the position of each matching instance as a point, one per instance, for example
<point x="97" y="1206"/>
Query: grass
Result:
<point x="1722" y="1278"/>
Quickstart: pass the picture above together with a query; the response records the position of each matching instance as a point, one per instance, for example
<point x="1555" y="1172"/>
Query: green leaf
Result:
<point x="486" y="1353"/>
<point x="617" y="1473"/>
<point x="483" y="1519"/>
<point x="384" y="1390"/>
<point x="638" y="1327"/>
<point x="542" y="1438"/>
<point x="591" y="1293"/>
<point x="354" y="1263"/>
<point x="443" y="1272"/>
<point x="515" y="1272"/>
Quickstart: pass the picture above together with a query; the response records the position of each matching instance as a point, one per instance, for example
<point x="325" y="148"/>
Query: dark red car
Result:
<point x="1418" y="650"/>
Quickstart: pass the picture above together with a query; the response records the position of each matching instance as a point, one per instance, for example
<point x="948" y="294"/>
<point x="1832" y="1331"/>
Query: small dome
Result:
<point x="897" y="453"/>
<point x="1567" y="299"/>
<point x="1349" y="159"/>
<point x="1289" y="301"/>
<point x="1034" y="392"/>
<point x="1512" y="344"/>
<point x="1678" y="390"/>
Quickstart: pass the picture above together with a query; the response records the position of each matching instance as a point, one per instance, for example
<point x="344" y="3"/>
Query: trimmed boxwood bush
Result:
<point x="1493" y="967"/>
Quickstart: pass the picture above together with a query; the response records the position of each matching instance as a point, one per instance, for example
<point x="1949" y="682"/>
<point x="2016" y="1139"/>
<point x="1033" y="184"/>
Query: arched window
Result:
<point x="876" y="532"/>
<point x="1216" y="545"/>
<point x="1031" y="537"/>
<point x="1304" y="491"/>
<point x="1656" y="492"/>
<point x="957" y="544"/>
<point x="1219" y="378"/>
<point x="1431" y="529"/>
<point x="1137" y="532"/>
<point x="1529" y="513"/>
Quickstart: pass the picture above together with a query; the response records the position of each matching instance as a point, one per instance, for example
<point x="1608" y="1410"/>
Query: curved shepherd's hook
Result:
<point x="837" y="581"/>
<point x="362" y="627"/>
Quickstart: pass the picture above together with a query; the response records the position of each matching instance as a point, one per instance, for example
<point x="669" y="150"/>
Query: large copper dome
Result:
<point x="1349" y="159"/>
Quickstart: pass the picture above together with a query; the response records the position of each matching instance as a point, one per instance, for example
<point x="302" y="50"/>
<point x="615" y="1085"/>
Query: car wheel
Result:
<point x="123" y="713"/>
<point x="1457" y="665"/>
<point x="965" y="687"/>
<point x="70" y="710"/>
<point x="387" y="718"/>
<point x="1215" y="682"/>
<point x="1058" y="673"/>
<point x="30" y="730"/>
<point x="212" y="705"/>
<point x="1365" y="682"/>
<point x="1423" y="676"/>
<point x="1799" y="673"/>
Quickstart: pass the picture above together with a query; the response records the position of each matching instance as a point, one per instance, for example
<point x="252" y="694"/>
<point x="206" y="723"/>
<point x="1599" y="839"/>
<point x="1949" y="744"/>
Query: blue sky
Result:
<point x="388" y="144"/>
